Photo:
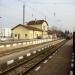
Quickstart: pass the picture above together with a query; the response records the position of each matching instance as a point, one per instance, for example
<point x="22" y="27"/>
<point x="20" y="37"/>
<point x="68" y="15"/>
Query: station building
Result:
<point x="32" y="30"/>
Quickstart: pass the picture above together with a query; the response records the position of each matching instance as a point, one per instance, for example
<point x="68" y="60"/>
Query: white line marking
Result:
<point x="50" y="57"/>
<point x="72" y="65"/>
<point x="10" y="62"/>
<point x="28" y="54"/>
<point x="24" y="43"/>
<point x="8" y="45"/>
<point x="21" y="57"/>
<point x="34" y="52"/>
<point x="27" y="43"/>
<point x="33" y="42"/>
<point x="14" y="44"/>
<point x="45" y="61"/>
<point x="1" y="46"/>
<point x="71" y="72"/>
<point x="42" y="48"/>
<point x="19" y="43"/>
<point x="39" y="50"/>
<point x="72" y="54"/>
<point x="53" y="53"/>
<point x="72" y="60"/>
<point x="37" y="68"/>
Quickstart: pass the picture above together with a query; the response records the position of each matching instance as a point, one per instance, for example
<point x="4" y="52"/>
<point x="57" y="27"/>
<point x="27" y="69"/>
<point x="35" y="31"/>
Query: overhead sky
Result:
<point x="59" y="13"/>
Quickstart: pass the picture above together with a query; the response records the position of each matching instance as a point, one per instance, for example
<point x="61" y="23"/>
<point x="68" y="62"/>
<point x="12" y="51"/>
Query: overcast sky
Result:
<point x="11" y="12"/>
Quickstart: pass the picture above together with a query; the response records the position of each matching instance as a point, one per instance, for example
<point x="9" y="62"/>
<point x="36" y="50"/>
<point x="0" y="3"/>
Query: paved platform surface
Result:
<point x="59" y="64"/>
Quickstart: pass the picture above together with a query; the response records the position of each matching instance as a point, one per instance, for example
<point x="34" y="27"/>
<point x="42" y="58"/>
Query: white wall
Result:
<point x="7" y="32"/>
<point x="45" y="25"/>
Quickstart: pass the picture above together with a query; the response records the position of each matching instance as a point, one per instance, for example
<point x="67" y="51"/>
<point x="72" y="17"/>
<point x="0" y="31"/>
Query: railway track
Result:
<point x="8" y="52"/>
<point x="24" y="66"/>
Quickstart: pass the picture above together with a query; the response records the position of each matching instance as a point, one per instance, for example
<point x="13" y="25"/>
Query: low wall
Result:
<point x="22" y="44"/>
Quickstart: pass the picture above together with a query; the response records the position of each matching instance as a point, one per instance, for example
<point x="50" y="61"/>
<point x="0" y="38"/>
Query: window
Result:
<point x="25" y="35"/>
<point x="15" y="35"/>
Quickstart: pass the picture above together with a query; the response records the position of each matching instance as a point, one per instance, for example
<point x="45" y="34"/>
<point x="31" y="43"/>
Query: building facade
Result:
<point x="40" y="24"/>
<point x="32" y="30"/>
<point x="26" y="32"/>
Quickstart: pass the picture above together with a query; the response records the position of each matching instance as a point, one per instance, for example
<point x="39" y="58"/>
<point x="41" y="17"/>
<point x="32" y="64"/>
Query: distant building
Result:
<point x="5" y="33"/>
<point x="0" y="31"/>
<point x="32" y="30"/>
<point x="52" y="34"/>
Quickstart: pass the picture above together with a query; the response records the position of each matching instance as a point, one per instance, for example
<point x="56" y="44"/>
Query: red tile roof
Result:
<point x="36" y="22"/>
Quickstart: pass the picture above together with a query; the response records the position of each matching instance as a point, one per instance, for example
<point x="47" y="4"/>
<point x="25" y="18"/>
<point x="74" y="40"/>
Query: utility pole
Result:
<point x="23" y="13"/>
<point x="24" y="8"/>
<point x="45" y="18"/>
<point x="1" y="33"/>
